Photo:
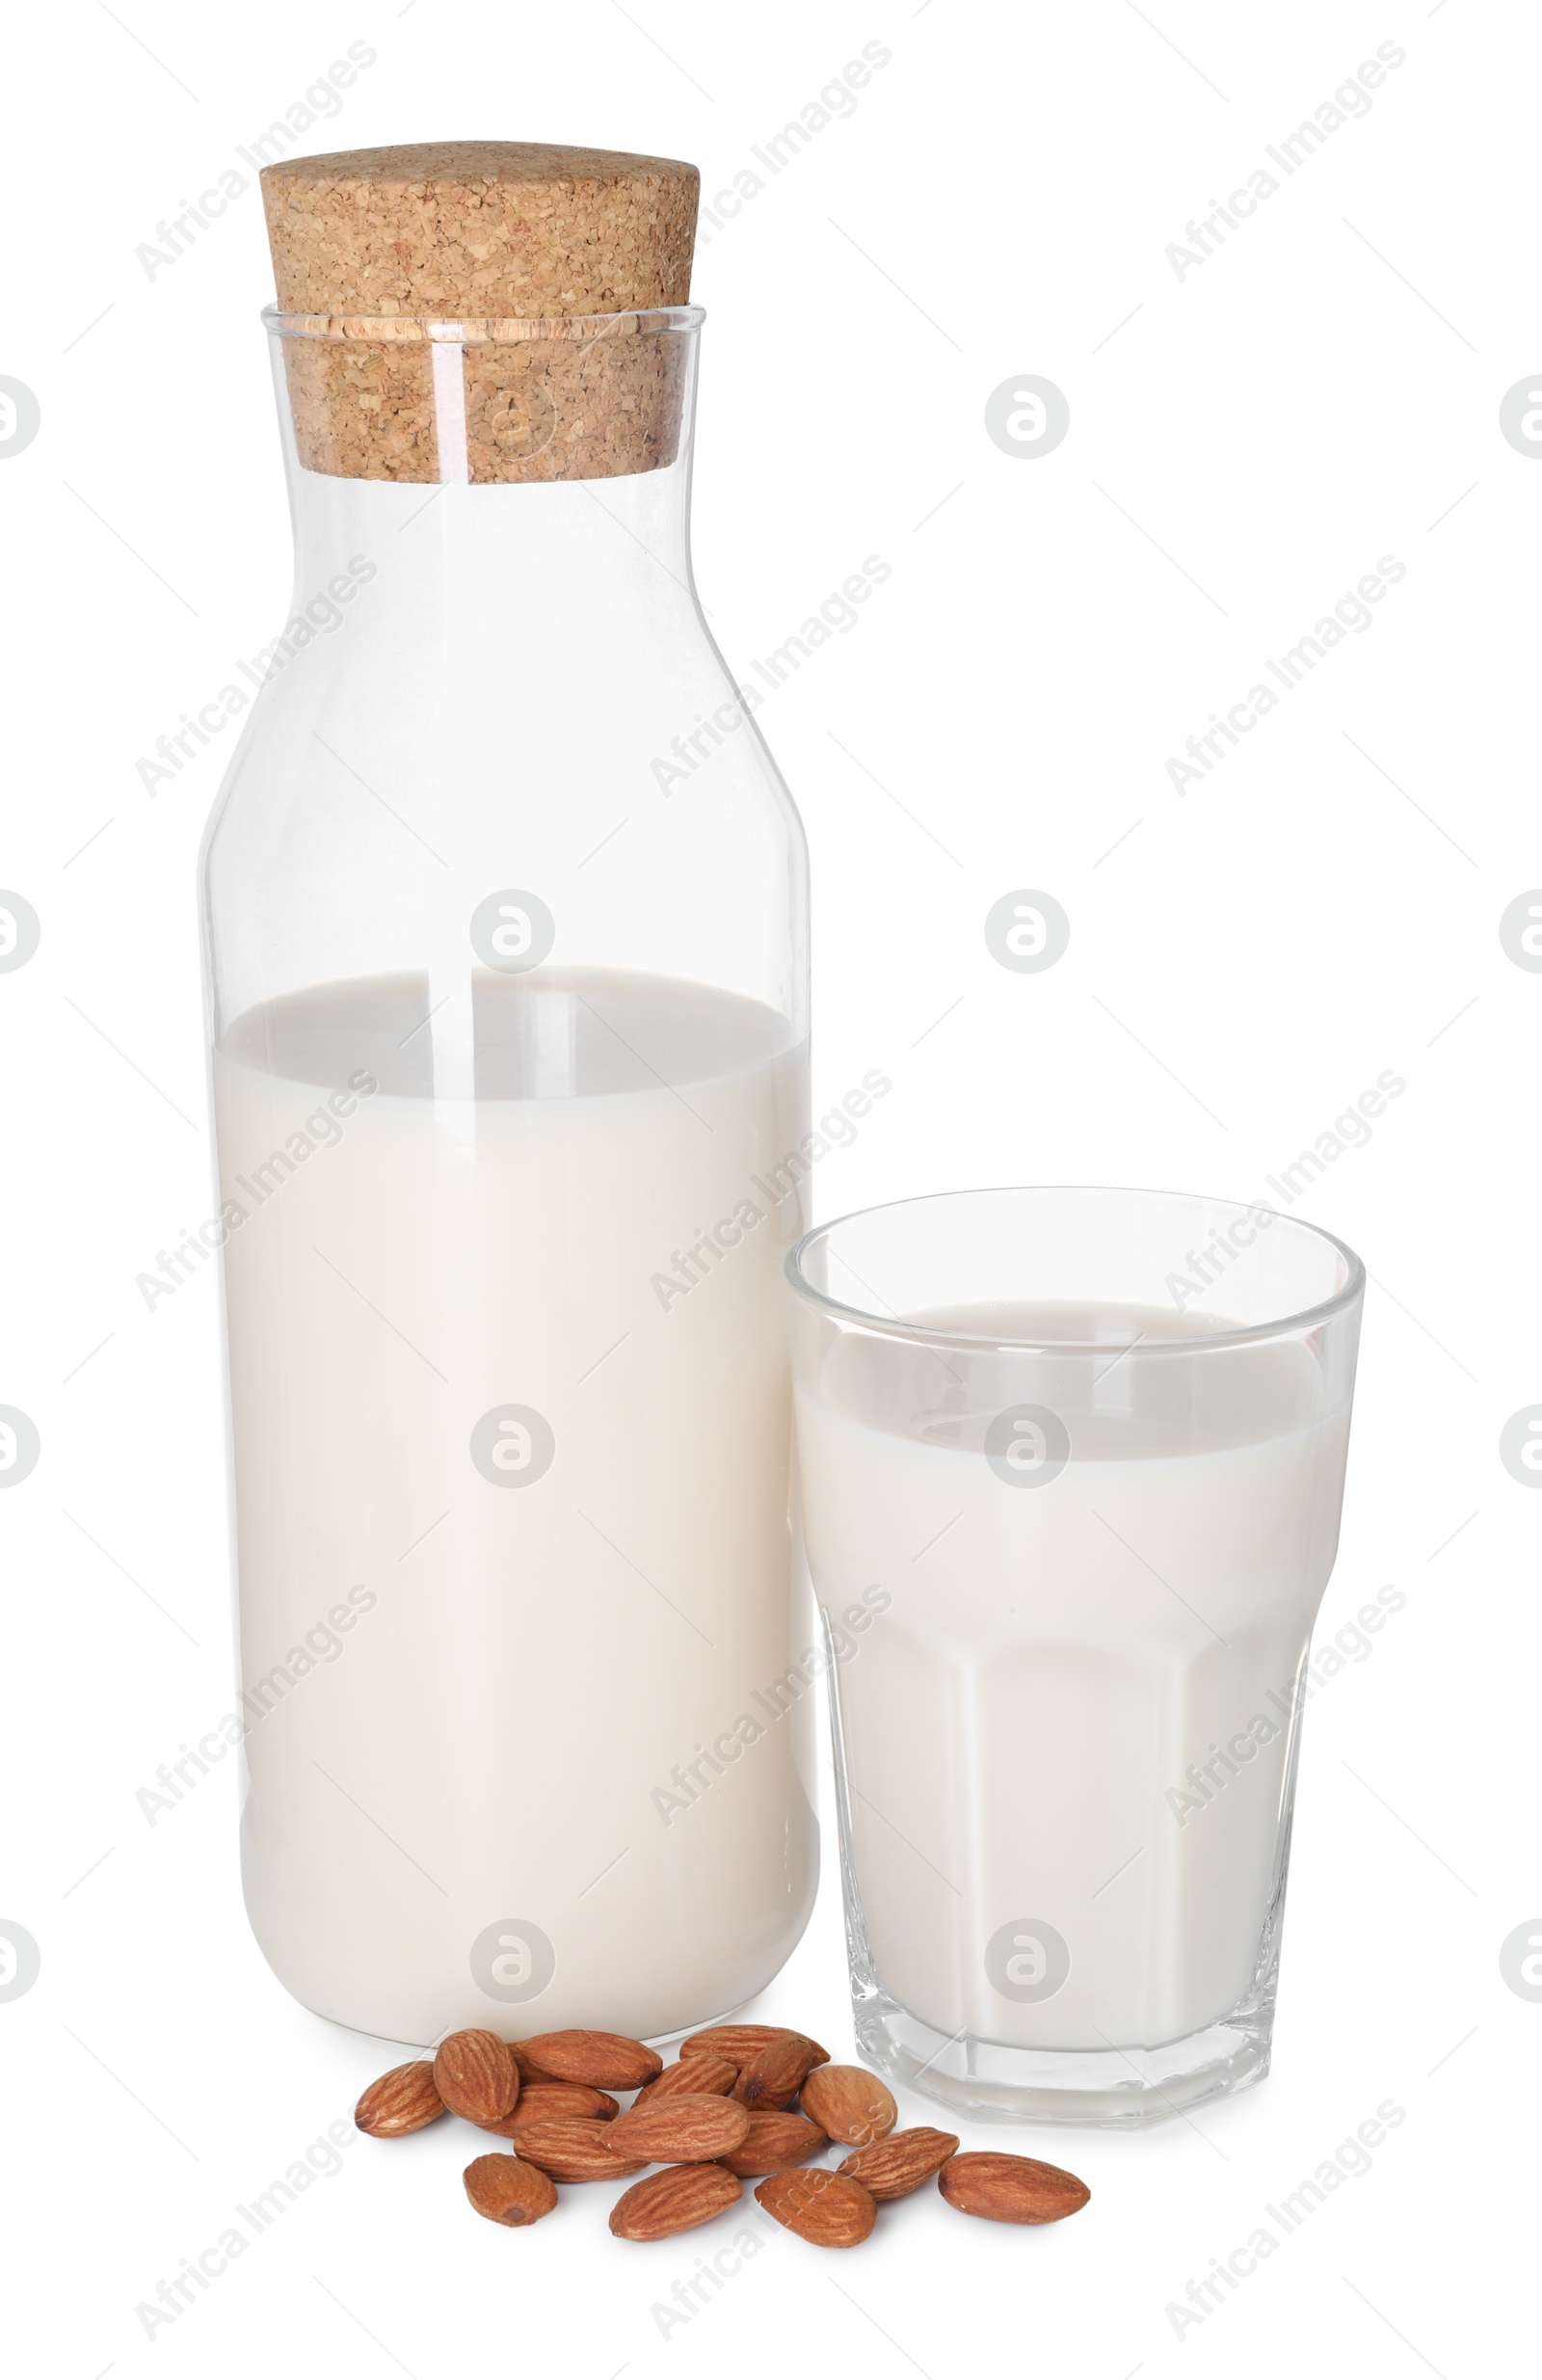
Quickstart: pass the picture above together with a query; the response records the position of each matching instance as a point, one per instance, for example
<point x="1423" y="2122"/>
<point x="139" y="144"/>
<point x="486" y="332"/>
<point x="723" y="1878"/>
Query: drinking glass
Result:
<point x="1072" y="1465"/>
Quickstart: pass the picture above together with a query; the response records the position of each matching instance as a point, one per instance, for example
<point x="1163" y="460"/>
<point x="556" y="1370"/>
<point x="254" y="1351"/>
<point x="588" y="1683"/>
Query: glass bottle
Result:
<point x="506" y="914"/>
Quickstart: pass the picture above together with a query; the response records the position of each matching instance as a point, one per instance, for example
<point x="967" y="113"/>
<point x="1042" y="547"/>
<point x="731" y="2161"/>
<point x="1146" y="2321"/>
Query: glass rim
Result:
<point x="482" y="331"/>
<point x="895" y="1327"/>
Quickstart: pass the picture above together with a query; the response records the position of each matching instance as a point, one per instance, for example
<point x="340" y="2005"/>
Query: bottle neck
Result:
<point x="496" y="684"/>
<point x="538" y="575"/>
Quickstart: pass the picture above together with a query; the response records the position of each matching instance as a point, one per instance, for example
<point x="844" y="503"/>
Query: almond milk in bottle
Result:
<point x="508" y="1014"/>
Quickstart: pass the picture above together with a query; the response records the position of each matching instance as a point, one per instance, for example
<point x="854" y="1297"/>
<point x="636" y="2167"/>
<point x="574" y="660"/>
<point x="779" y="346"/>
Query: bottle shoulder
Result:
<point x="370" y="819"/>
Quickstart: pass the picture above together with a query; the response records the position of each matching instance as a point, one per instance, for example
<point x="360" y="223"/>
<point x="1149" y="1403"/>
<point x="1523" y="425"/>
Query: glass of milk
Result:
<point x="1072" y="1465"/>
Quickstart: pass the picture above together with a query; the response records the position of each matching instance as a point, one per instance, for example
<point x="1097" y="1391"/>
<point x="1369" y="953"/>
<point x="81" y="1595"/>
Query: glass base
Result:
<point x="1119" y="2090"/>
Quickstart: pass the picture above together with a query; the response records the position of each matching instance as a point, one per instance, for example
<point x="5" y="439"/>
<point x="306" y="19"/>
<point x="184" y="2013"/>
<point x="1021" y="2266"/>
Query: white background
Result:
<point x="1245" y="444"/>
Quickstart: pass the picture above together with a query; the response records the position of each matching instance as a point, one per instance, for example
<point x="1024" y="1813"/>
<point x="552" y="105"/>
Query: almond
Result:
<point x="401" y="2102"/>
<point x="704" y="2073"/>
<point x="1010" y="2190"/>
<point x="850" y="2104"/>
<point x="771" y="2077"/>
<point x="677" y="2200"/>
<point x="773" y="2143"/>
<point x="553" y="2098"/>
<point x="829" y="2210"/>
<point x="892" y="2168"/>
<point x="574" y="2148"/>
<point x="681" y="2129"/>
<point x="605" y="2061"/>
<point x="476" y="2075"/>
<point x="508" y="2190"/>
<point x="741" y="2042"/>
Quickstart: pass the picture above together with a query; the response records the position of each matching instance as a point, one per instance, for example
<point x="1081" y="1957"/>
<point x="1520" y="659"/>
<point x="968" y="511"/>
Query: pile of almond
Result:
<point x="721" y="2115"/>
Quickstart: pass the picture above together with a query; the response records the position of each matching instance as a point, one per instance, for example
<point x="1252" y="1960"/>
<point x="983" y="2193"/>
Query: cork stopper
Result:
<point x="538" y="267"/>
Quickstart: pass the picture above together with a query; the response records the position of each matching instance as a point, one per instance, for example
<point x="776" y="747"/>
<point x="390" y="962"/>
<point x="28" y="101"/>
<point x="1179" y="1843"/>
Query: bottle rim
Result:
<point x="482" y="331"/>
